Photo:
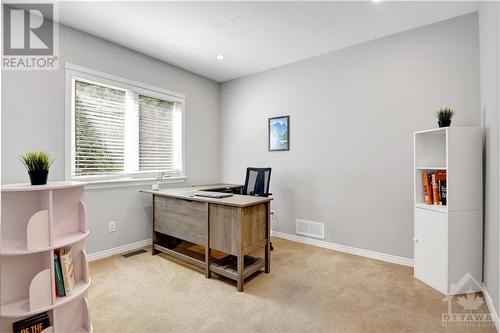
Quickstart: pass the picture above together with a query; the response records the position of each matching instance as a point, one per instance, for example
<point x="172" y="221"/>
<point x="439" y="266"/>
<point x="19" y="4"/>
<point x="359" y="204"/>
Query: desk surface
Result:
<point x="187" y="193"/>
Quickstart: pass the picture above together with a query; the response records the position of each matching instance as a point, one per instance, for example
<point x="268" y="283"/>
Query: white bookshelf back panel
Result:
<point x="73" y="317"/>
<point x="67" y="210"/>
<point x="40" y="292"/>
<point x="37" y="231"/>
<point x="17" y="210"/>
<point x="18" y="272"/>
<point x="430" y="149"/>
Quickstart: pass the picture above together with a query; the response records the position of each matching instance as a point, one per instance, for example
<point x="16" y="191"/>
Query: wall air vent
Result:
<point x="310" y="229"/>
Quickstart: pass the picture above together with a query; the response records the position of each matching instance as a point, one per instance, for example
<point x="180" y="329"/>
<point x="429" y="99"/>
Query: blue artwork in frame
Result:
<point x="279" y="133"/>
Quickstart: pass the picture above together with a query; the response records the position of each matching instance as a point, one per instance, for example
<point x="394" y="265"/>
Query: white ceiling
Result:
<point x="253" y="36"/>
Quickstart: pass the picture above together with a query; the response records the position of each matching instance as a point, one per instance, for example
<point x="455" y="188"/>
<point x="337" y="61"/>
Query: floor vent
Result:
<point x="310" y="229"/>
<point x="134" y="253"/>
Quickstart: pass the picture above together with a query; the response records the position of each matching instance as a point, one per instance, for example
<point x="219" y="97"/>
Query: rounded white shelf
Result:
<point x="23" y="187"/>
<point x="12" y="248"/>
<point x="69" y="239"/>
<point x="21" y="308"/>
<point x="15" y="248"/>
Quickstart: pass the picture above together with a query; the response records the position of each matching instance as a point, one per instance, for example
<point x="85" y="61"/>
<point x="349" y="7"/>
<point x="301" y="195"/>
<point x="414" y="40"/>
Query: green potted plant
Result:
<point x="444" y="116"/>
<point x="37" y="164"/>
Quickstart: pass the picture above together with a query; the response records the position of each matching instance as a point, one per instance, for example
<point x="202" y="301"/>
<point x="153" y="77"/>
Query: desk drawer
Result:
<point x="187" y="220"/>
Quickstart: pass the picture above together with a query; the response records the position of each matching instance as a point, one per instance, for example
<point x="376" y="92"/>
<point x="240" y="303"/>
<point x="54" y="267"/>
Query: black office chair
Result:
<point x="257" y="183"/>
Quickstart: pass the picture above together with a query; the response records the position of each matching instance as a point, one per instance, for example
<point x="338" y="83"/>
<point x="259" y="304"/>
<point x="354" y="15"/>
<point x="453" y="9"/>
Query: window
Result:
<point x="119" y="129"/>
<point x="99" y="129"/>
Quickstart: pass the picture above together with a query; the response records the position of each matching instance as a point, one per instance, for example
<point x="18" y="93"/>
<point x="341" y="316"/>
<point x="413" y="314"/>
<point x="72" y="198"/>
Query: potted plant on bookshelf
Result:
<point x="37" y="164"/>
<point x="444" y="117"/>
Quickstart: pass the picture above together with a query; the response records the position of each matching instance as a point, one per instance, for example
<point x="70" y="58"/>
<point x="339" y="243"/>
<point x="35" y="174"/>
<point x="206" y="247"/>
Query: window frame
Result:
<point x="78" y="73"/>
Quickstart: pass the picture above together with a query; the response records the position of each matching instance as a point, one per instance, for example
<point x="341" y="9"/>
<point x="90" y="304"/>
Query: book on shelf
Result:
<point x="58" y="276"/>
<point x="427" y="188"/>
<point x="434" y="187"/>
<point x="435" y="190"/>
<point x="32" y="324"/>
<point x="441" y="184"/>
<point x="68" y="274"/>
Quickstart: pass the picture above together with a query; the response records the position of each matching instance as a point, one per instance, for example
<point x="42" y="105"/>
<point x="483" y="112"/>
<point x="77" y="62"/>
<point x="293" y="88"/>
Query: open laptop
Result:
<point x="215" y="195"/>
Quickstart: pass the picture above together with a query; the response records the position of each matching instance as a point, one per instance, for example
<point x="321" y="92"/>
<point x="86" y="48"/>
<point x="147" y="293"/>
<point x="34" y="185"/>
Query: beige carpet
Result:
<point x="308" y="290"/>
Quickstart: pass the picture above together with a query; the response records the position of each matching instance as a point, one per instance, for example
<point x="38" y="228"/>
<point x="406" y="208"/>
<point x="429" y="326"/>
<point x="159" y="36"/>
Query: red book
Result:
<point x="435" y="189"/>
<point x="427" y="188"/>
<point x="441" y="181"/>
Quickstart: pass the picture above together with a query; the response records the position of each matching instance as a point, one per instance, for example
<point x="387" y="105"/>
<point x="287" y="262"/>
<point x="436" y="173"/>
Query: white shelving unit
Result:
<point x="448" y="238"/>
<point x="36" y="220"/>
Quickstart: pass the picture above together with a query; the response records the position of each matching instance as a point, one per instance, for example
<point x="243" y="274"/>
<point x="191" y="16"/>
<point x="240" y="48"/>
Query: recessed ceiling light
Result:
<point x="376" y="0"/>
<point x="220" y="57"/>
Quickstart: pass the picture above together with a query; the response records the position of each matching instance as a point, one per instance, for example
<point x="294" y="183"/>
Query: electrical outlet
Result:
<point x="274" y="218"/>
<point x="112" y="226"/>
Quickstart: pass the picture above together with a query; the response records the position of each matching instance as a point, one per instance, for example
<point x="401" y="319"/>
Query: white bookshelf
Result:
<point x="36" y="221"/>
<point x="448" y="238"/>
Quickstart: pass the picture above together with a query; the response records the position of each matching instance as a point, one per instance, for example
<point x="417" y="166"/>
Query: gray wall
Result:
<point x="489" y="54"/>
<point x="353" y="113"/>
<point x="33" y="110"/>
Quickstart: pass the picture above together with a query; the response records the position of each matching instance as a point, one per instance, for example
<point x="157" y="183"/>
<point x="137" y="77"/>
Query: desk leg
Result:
<point x="208" y="274"/>
<point x="208" y="254"/>
<point x="240" y="266"/>
<point x="154" y="238"/>
<point x="268" y="243"/>
<point x="154" y="241"/>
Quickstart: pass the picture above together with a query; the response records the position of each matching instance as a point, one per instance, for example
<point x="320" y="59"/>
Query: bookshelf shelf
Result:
<point x="454" y="156"/>
<point x="70" y="238"/>
<point x="80" y="288"/>
<point x="435" y="208"/>
<point x="36" y="222"/>
<point x="431" y="168"/>
<point x="16" y="248"/>
<point x="21" y="308"/>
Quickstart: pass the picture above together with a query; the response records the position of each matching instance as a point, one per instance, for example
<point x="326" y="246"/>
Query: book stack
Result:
<point x="64" y="273"/>
<point x="32" y="324"/>
<point x="434" y="184"/>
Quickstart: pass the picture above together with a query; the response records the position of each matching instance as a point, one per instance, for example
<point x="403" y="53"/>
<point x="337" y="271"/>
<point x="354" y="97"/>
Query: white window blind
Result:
<point x="99" y="129"/>
<point x="123" y="131"/>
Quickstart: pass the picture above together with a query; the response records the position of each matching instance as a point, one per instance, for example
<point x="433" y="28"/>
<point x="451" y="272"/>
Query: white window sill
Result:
<point x="127" y="182"/>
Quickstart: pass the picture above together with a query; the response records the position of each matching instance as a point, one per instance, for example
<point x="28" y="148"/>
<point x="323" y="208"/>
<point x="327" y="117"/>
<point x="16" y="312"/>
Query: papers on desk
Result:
<point x="214" y="195"/>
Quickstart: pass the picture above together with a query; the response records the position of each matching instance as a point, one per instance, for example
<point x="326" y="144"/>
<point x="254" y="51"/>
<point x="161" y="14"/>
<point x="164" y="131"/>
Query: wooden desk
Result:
<point x="235" y="225"/>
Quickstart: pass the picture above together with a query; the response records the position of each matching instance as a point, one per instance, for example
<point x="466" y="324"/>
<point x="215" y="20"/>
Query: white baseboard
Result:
<point x="489" y="303"/>
<point x="118" y="250"/>
<point x="346" y="249"/>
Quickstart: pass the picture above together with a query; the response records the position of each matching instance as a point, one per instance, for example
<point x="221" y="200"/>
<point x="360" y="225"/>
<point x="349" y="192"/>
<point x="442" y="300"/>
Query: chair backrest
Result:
<point x="257" y="182"/>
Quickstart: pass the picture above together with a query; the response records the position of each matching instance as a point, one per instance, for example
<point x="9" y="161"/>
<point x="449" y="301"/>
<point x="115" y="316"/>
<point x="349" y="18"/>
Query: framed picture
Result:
<point x="279" y="133"/>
